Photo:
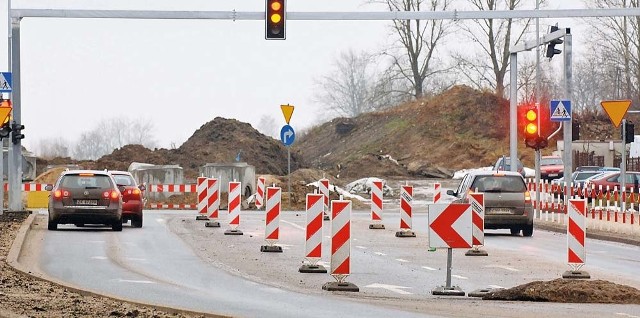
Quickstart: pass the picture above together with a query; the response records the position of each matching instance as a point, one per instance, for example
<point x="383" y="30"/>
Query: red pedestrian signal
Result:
<point x="275" y="18"/>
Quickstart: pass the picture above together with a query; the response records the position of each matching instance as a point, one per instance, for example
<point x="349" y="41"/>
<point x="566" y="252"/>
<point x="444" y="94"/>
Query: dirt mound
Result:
<point x="570" y="291"/>
<point x="50" y="176"/>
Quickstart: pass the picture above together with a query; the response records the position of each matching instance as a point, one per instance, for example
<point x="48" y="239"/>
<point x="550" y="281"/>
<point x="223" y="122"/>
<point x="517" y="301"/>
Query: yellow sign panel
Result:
<point x="616" y="109"/>
<point x="4" y="113"/>
<point x="287" y="111"/>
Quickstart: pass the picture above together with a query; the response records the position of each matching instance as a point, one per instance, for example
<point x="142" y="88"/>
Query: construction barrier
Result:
<point x="201" y="187"/>
<point x="213" y="198"/>
<point x="313" y="241"/>
<point x="436" y="192"/>
<point x="260" y="192"/>
<point x="340" y="239"/>
<point x="272" y="220"/>
<point x="576" y="237"/>
<point x="376" y="205"/>
<point x="406" y="213"/>
<point x="234" y="208"/>
<point x="172" y="188"/>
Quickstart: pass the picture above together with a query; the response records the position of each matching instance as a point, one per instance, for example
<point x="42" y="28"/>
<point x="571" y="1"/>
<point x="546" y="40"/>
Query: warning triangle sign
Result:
<point x="616" y="109"/>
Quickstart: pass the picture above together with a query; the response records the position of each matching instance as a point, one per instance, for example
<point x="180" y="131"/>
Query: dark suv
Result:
<point x="85" y="197"/>
<point x="506" y="198"/>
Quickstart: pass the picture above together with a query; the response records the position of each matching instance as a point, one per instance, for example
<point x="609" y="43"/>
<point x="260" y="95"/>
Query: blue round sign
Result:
<point x="287" y="135"/>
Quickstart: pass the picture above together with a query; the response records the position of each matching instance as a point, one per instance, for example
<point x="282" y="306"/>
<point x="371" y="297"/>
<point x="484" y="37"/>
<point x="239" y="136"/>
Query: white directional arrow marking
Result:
<point x="393" y="288"/>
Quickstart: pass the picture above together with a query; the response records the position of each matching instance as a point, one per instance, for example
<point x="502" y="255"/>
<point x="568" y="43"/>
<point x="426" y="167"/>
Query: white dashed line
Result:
<point x="495" y="286"/>
<point x="361" y="247"/>
<point x="430" y="268"/>
<point x="294" y="225"/>
<point x="503" y="267"/>
<point x="627" y="315"/>
<point x="402" y="260"/>
<point x="380" y="254"/>
<point x="99" y="257"/>
<point x="136" y="281"/>
<point x="459" y="277"/>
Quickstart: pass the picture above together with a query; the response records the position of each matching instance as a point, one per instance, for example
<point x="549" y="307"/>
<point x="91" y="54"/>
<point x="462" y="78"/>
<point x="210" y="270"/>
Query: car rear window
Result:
<point x="497" y="183"/>
<point x="77" y="181"/>
<point x="550" y="161"/>
<point x="124" y="180"/>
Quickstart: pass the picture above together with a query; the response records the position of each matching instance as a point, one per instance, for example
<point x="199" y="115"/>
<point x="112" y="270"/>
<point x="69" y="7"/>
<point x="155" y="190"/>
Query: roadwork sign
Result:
<point x="616" y="109"/>
<point x="450" y="225"/>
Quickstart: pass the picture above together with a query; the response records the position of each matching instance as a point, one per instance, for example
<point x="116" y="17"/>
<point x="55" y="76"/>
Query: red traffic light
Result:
<point x="275" y="20"/>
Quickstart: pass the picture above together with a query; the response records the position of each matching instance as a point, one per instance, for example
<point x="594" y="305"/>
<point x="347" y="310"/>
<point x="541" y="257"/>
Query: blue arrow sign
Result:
<point x="287" y="135"/>
<point x="5" y="82"/>
<point x="560" y="110"/>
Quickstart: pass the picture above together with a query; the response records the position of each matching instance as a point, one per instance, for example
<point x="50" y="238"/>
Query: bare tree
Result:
<point x="494" y="37"/>
<point x="354" y="86"/>
<point x="267" y="125"/>
<point x="53" y="147"/>
<point x="415" y="59"/>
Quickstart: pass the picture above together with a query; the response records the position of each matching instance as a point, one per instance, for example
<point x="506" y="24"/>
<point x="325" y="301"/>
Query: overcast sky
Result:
<point x="181" y="74"/>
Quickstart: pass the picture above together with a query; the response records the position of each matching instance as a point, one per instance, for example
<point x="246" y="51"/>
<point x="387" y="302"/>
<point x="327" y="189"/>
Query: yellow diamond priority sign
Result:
<point x="616" y="109"/>
<point x="287" y="111"/>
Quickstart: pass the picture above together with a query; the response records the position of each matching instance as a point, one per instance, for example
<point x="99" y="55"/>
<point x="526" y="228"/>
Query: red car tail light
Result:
<point x="59" y="194"/>
<point x="527" y="197"/>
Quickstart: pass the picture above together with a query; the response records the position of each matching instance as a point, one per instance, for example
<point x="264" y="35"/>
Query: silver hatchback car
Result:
<point x="507" y="201"/>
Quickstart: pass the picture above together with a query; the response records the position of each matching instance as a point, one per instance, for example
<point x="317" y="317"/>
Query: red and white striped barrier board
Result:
<point x="477" y="209"/>
<point x="173" y="188"/>
<point x="340" y="238"/>
<point x="576" y="230"/>
<point x="313" y="243"/>
<point x="260" y="192"/>
<point x="201" y="185"/>
<point x="406" y="207"/>
<point x="272" y="229"/>
<point x="172" y="206"/>
<point x="436" y="192"/>
<point x="450" y="225"/>
<point x="30" y="187"/>
<point x="376" y="201"/>
<point x="213" y="198"/>
<point x="234" y="204"/>
<point x="323" y="188"/>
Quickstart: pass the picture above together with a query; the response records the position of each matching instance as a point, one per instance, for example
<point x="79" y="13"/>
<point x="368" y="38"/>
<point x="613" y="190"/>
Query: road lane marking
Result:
<point x="430" y="268"/>
<point x="496" y="286"/>
<point x="99" y="257"/>
<point x="402" y="260"/>
<point x="137" y="259"/>
<point x="361" y="247"/>
<point x="380" y="254"/>
<point x="135" y="281"/>
<point x="393" y="288"/>
<point x="503" y="267"/>
<point x="627" y="315"/>
<point x="160" y="220"/>
<point x="459" y="277"/>
<point x="294" y="225"/>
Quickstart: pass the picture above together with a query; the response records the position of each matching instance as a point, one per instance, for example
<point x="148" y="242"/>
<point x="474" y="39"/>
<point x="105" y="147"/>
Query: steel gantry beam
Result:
<point x="16" y="15"/>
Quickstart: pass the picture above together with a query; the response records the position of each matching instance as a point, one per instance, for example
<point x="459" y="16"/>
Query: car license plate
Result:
<point x="500" y="211"/>
<point x="553" y="175"/>
<point x="86" y="202"/>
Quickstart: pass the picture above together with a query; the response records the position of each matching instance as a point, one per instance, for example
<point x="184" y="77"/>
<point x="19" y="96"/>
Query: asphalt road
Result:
<point x="176" y="261"/>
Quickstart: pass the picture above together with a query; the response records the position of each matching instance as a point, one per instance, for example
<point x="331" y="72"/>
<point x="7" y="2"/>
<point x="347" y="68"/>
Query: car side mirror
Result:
<point x="451" y="192"/>
<point x="48" y="187"/>
<point x="142" y="187"/>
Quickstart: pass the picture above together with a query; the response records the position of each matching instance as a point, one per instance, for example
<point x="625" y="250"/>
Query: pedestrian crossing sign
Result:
<point x="5" y="82"/>
<point x="560" y="110"/>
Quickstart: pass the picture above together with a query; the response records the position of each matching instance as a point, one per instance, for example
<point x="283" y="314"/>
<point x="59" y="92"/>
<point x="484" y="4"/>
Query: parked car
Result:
<point x="551" y="167"/>
<point x="612" y="180"/>
<point x="507" y="201"/>
<point x="132" y="197"/>
<point x="596" y="168"/>
<point x="578" y="179"/>
<point x="85" y="197"/>
<point x="504" y="164"/>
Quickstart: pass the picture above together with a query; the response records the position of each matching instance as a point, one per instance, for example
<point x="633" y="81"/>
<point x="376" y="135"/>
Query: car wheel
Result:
<point x="52" y="225"/>
<point x="515" y="231"/>
<point x="136" y="222"/>
<point x="117" y="225"/>
<point x="527" y="231"/>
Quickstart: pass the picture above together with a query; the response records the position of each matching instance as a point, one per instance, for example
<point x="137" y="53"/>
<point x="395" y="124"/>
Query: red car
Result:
<point x="132" y="197"/>
<point x="612" y="180"/>
<point x="551" y="167"/>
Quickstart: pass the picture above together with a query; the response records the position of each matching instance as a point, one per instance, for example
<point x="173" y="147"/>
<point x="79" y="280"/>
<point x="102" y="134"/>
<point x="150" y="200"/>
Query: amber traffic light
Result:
<point x="275" y="18"/>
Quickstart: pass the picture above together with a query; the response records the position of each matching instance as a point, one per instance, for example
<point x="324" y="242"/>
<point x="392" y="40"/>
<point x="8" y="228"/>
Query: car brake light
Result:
<point x="115" y="195"/>
<point x="59" y="194"/>
<point x="136" y="191"/>
<point x="527" y="197"/>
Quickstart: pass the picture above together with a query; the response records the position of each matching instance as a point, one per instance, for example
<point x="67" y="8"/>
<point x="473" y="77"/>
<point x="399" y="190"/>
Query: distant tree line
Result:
<point x="417" y="63"/>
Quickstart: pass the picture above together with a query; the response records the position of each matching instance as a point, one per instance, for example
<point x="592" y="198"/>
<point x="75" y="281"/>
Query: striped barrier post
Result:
<point x="172" y="206"/>
<point x="406" y="210"/>
<point x="313" y="242"/>
<point x="436" y="192"/>
<point x="272" y="220"/>
<point x="213" y="202"/>
<point x="172" y="188"/>
<point x="260" y="193"/>
<point x="376" y="205"/>
<point x="576" y="236"/>
<point x="340" y="247"/>
<point x="234" y="208"/>
<point x="201" y="188"/>
<point x="323" y="187"/>
<point x="477" y="225"/>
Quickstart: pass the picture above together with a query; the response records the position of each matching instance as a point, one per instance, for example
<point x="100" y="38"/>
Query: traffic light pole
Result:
<point x="567" y="132"/>
<point x="623" y="166"/>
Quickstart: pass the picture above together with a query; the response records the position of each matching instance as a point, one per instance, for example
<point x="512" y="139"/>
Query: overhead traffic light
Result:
<point x="275" y="19"/>
<point x="551" y="50"/>
<point x="16" y="132"/>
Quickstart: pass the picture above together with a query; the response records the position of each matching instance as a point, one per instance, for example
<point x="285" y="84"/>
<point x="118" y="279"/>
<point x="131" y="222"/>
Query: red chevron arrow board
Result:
<point x="450" y="225"/>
